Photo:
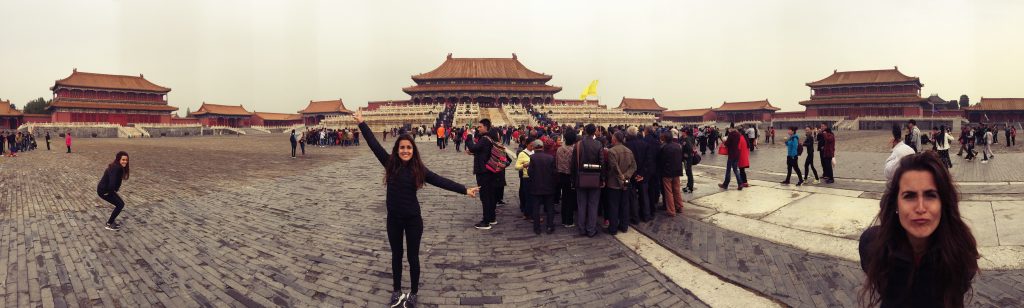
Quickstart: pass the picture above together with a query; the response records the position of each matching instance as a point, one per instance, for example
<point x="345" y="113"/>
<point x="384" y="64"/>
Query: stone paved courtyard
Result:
<point x="233" y="221"/>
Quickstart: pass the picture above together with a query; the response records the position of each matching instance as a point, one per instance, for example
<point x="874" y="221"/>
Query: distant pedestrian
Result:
<point x="809" y="137"/>
<point x="828" y="152"/>
<point x="986" y="153"/>
<point x="110" y="183"/>
<point x="942" y="142"/>
<point x="793" y="157"/>
<point x="294" y="141"/>
<point x="67" y="140"/>
<point x="47" y="141"/>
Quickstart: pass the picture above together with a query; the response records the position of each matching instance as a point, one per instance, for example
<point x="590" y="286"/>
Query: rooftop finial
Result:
<point x="141" y="76"/>
<point x="449" y="55"/>
<point x="895" y="67"/>
<point x="835" y="70"/>
<point x="514" y="56"/>
<point x="74" y="70"/>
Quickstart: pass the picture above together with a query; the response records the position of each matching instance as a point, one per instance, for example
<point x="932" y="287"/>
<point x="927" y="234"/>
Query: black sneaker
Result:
<point x="396" y="299"/>
<point x="410" y="302"/>
<point x="114" y="226"/>
<point x="482" y="226"/>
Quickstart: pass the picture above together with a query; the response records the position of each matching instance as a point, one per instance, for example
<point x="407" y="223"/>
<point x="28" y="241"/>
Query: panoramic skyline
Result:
<point x="276" y="56"/>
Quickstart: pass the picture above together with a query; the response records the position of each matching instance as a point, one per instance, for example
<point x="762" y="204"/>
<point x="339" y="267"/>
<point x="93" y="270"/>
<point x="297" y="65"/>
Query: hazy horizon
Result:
<point x="276" y="56"/>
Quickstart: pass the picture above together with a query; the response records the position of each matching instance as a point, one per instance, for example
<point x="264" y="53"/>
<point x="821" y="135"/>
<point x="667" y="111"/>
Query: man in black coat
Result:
<point x="588" y="150"/>
<point x="542" y="185"/>
<point x="488" y="181"/>
<point x="641" y="208"/>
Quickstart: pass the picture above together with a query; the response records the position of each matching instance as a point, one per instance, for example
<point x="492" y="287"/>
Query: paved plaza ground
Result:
<point x="233" y="221"/>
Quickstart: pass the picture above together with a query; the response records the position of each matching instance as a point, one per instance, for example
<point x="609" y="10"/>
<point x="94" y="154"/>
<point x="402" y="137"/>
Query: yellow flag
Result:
<point x="590" y="90"/>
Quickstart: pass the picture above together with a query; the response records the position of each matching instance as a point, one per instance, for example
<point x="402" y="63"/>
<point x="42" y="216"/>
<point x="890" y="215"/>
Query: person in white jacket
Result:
<point x="899" y="150"/>
<point x="942" y="140"/>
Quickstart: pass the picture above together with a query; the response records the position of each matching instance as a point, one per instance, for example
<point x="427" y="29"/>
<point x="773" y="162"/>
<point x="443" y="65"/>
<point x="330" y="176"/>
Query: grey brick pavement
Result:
<point x="232" y="221"/>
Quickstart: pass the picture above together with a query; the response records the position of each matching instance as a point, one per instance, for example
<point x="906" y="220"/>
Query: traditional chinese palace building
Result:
<point x="223" y="115"/>
<point x="641" y="106"/>
<point x="119" y="99"/>
<point x="745" y="111"/>
<point x="318" y="110"/>
<point x="491" y="82"/>
<point x="866" y="93"/>
<point x="275" y="119"/>
<point x="996" y="110"/>
<point x="10" y="118"/>
<point x="689" y="115"/>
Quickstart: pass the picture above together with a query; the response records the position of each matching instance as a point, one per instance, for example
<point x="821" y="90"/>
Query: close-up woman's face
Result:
<point x="124" y="161"/>
<point x="920" y="208"/>
<point x="405" y="150"/>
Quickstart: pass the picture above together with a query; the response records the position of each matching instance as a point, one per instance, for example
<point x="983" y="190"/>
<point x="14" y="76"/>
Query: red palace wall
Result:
<point x="184" y="121"/>
<point x="115" y="118"/>
<point x="221" y="121"/>
<point x="37" y="118"/>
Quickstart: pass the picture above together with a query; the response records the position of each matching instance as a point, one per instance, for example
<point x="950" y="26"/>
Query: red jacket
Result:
<point x="744" y="153"/>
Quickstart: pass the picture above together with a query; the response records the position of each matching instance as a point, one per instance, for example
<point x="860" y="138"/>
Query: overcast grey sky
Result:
<point x="275" y="56"/>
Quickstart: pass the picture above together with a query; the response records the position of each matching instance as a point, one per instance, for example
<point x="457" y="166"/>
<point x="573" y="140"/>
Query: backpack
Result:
<point x="694" y="158"/>
<point x="498" y="160"/>
<point x="799" y="150"/>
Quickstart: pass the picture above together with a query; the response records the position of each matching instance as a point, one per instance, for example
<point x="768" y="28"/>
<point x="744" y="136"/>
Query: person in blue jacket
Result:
<point x="792" y="155"/>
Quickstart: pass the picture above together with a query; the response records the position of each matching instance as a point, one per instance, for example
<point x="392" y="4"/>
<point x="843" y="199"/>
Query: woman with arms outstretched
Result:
<point x="404" y="174"/>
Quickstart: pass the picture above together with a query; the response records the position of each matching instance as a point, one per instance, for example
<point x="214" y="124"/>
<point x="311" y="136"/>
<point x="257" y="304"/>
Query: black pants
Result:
<point x="114" y="199"/>
<point x="543" y="204"/>
<point x="293" y="149"/>
<point x="826" y="167"/>
<point x="793" y="163"/>
<point x="458" y="146"/>
<point x="412" y="228"/>
<point x="303" y="146"/>
<point x="568" y="201"/>
<point x="488" y="195"/>
<point x="617" y="212"/>
<point x="653" y="193"/>
<point x="69" y="148"/>
<point x="809" y="166"/>
<point x="525" y="205"/>
<point x="688" y="168"/>
<point x="47" y="145"/>
<point x="643" y="205"/>
<point x="944" y="155"/>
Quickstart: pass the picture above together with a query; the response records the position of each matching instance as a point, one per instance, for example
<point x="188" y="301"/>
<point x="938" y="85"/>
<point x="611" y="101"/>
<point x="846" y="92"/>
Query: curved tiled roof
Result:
<point x="481" y="87"/>
<point x="106" y="81"/>
<point x="864" y="100"/>
<point x="273" y="116"/>
<point x="999" y="104"/>
<point x="335" y="106"/>
<point x="686" y="113"/>
<point x="745" y="106"/>
<point x="6" y="110"/>
<point x="221" y="110"/>
<point x="864" y="77"/>
<point x="482" y="68"/>
<point x="70" y="103"/>
<point x="639" y="104"/>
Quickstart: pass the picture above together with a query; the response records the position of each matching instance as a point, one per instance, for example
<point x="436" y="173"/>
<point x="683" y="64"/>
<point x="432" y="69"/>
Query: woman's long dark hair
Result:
<point x="941" y="138"/>
<point x="117" y="164"/>
<point x="395" y="163"/>
<point x="956" y="253"/>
